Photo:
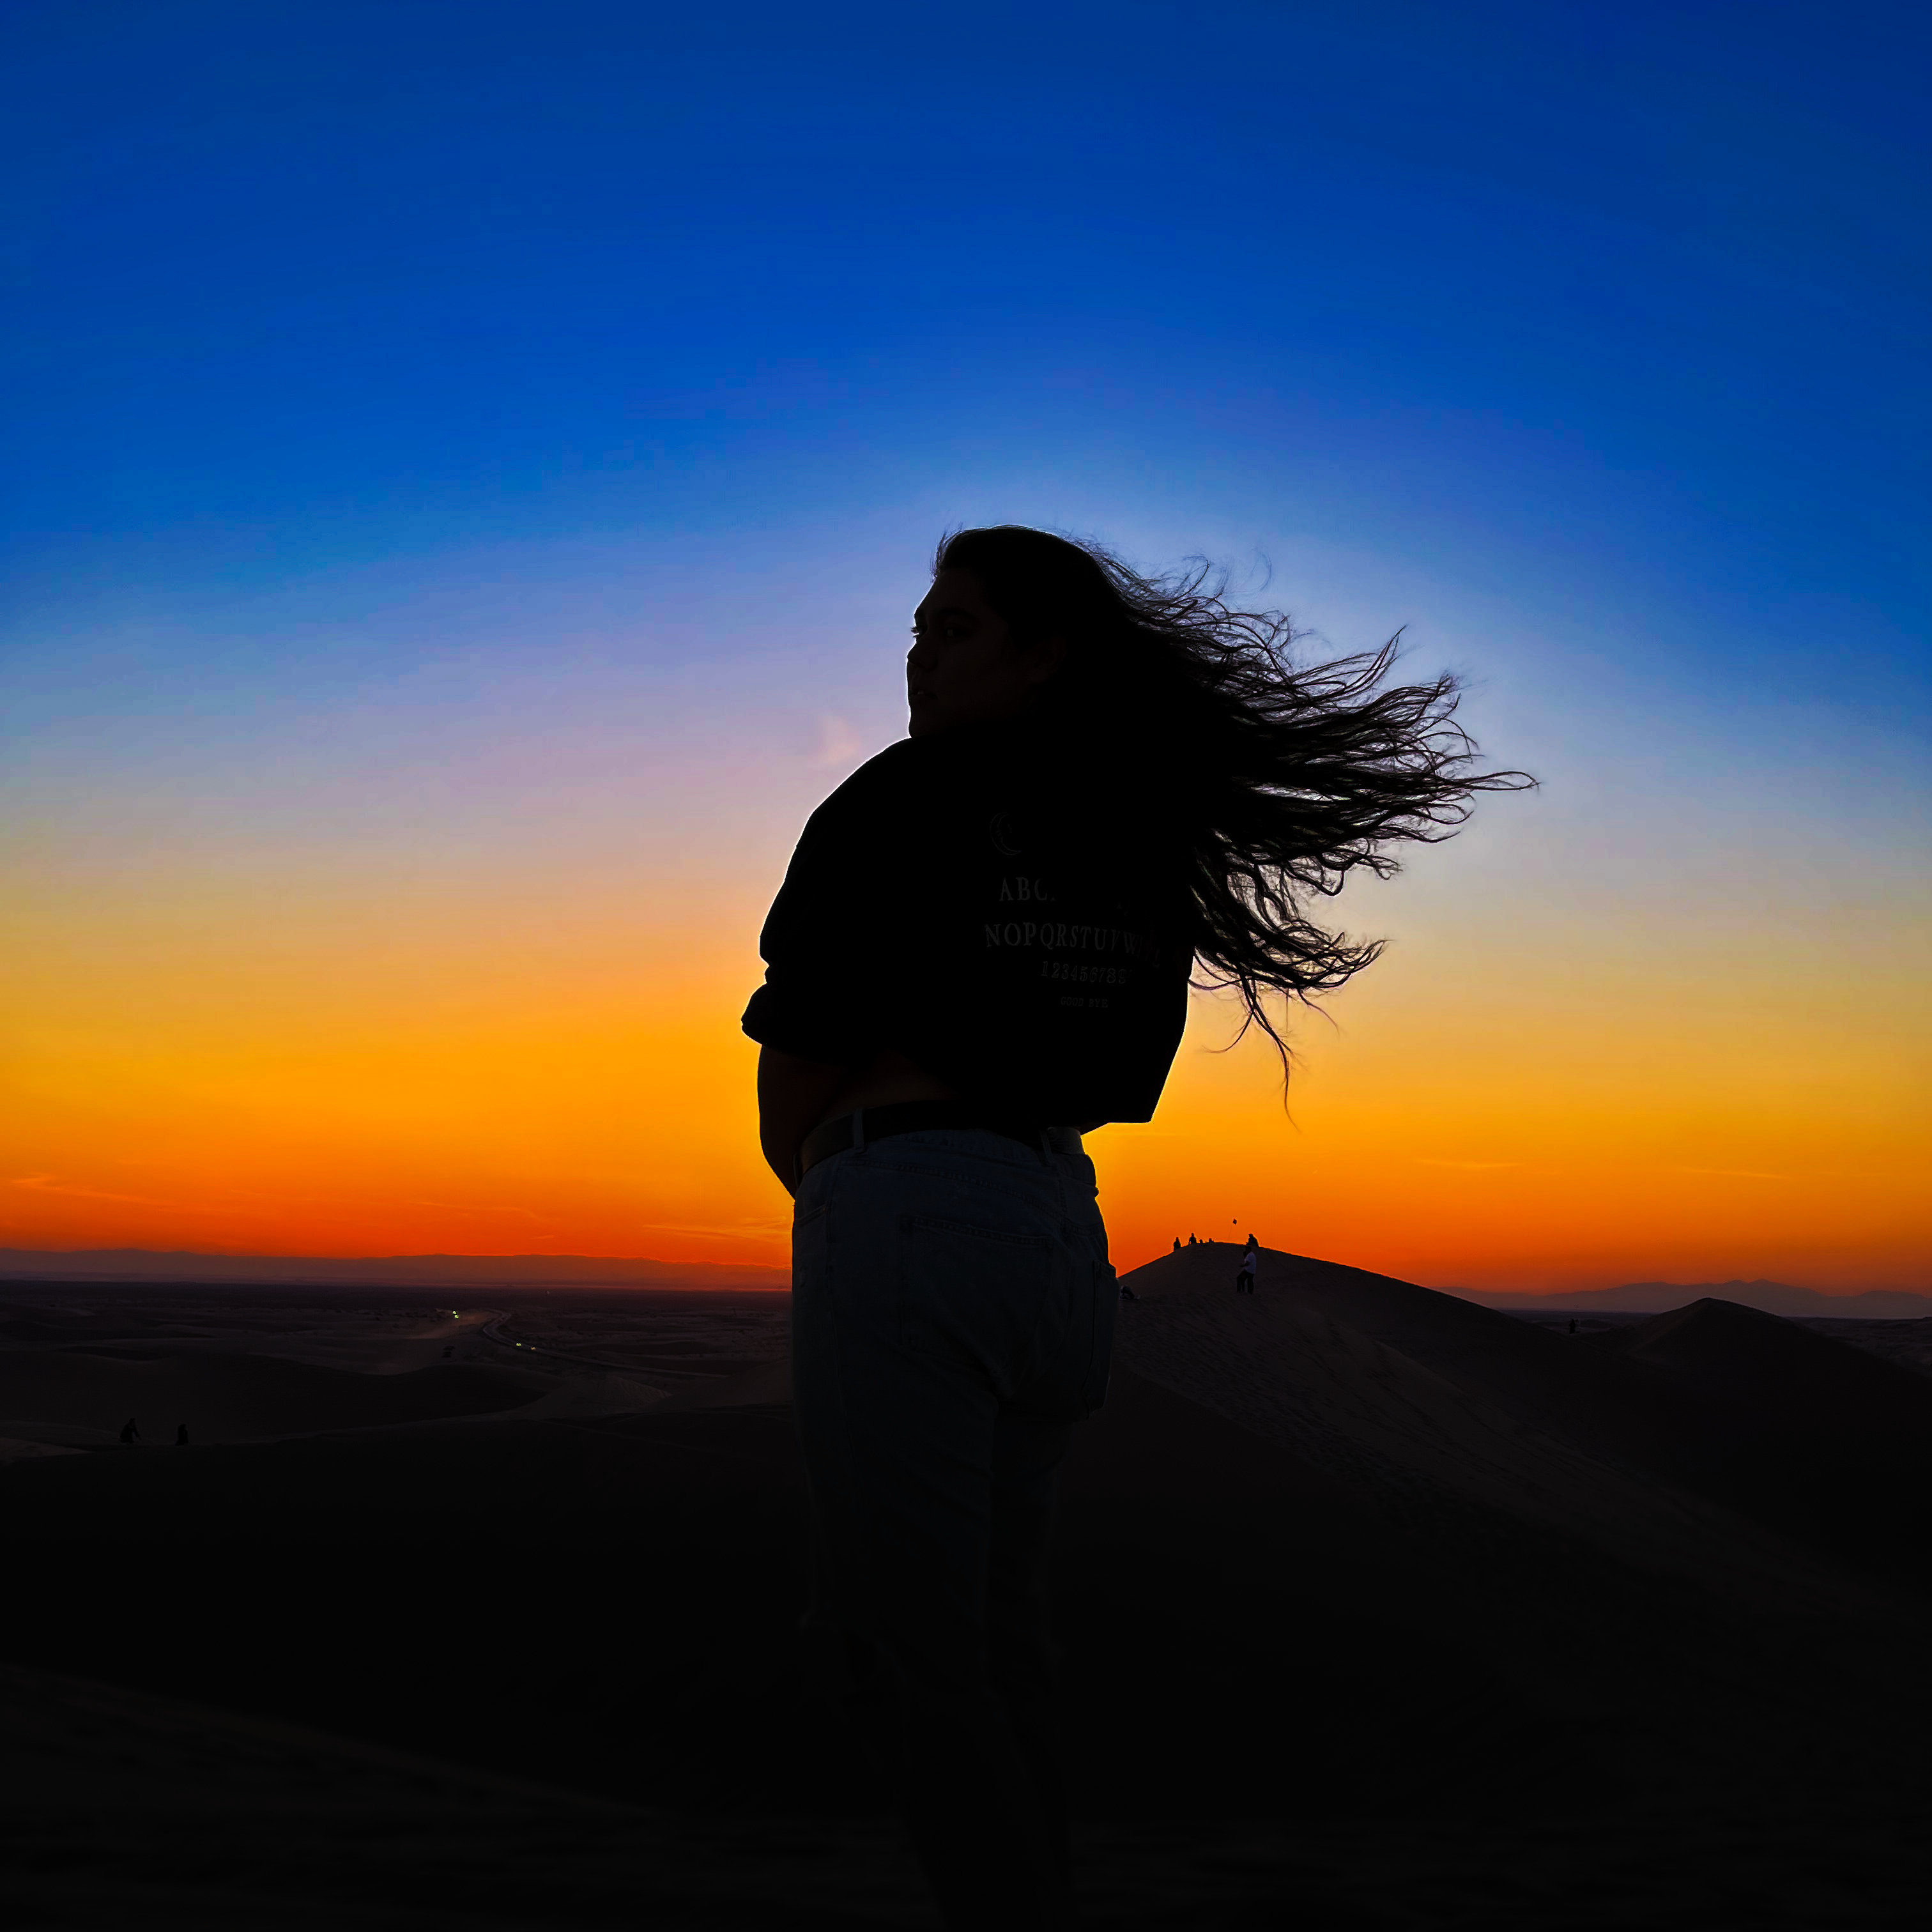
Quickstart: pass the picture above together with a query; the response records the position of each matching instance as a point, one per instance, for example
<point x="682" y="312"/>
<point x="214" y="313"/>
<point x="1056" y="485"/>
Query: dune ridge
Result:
<point x="1715" y="1439"/>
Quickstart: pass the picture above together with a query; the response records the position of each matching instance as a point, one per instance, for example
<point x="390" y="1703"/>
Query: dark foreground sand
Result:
<point x="1382" y="1610"/>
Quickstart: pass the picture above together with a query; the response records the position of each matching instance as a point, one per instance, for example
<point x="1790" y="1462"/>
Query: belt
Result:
<point x="920" y="1116"/>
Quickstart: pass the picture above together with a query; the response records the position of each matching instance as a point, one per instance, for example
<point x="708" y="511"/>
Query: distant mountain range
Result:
<point x="1654" y="1297"/>
<point x="137" y="1264"/>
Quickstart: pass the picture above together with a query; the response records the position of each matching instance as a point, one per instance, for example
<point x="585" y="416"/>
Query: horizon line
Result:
<point x="528" y="1262"/>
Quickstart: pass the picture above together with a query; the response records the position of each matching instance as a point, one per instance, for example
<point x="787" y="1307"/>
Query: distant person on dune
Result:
<point x="1244" y="1275"/>
<point x="181" y="1435"/>
<point x="1253" y="1244"/>
<point x="981" y="951"/>
<point x="1177" y="1244"/>
<point x="129" y="1433"/>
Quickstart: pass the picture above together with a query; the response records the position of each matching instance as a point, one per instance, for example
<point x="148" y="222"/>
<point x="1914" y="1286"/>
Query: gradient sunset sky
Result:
<point x="470" y="467"/>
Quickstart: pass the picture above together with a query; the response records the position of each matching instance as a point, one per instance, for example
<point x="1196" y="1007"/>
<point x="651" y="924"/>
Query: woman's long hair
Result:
<point x="1281" y="779"/>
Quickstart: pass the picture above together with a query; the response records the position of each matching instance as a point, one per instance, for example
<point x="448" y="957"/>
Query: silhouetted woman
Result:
<point x="981" y="950"/>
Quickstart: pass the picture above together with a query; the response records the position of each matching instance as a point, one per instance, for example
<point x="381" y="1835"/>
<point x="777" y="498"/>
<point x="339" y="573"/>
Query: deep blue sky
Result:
<point x="302" y="282"/>
<point x="1585" y="340"/>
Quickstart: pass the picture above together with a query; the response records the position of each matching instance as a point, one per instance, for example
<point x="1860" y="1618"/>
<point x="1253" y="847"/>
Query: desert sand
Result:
<point x="1381" y="1609"/>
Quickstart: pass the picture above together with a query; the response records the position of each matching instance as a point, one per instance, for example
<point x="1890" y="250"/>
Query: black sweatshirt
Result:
<point x="1013" y="918"/>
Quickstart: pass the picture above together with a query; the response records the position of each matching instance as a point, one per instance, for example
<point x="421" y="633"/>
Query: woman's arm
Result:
<point x="793" y="1095"/>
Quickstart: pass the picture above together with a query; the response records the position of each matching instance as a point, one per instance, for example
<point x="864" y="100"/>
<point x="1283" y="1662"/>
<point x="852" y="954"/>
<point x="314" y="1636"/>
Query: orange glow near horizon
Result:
<point x="497" y="1086"/>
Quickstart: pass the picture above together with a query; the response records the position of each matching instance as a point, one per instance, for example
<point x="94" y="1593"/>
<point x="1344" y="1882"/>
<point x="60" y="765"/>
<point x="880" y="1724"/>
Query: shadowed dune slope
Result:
<point x="1715" y="1439"/>
<point x="1762" y="1358"/>
<point x="767" y="1382"/>
<point x="612" y="1602"/>
<point x="124" y="1809"/>
<point x="577" y="1601"/>
<point x="1347" y="1559"/>
<point x="239" y="1398"/>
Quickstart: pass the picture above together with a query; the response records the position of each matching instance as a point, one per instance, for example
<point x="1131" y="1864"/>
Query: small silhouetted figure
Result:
<point x="129" y="1433"/>
<point x="181" y="1435"/>
<point x="1192" y="1242"/>
<point x="1572" y="1324"/>
<point x="1127" y="1294"/>
<point x="1244" y="1276"/>
<point x="1253" y="1244"/>
<point x="1177" y="1244"/>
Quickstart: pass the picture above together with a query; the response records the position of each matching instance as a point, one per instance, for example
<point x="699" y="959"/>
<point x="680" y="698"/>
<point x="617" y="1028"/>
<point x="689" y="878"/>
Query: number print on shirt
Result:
<point x="1065" y="969"/>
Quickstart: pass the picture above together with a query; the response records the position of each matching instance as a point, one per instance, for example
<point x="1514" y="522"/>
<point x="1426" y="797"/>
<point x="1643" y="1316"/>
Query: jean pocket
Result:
<point x="810" y="1262"/>
<point x="975" y="1297"/>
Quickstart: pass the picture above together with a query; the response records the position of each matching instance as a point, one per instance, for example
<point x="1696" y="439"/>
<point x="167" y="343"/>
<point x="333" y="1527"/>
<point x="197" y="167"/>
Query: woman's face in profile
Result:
<point x="963" y="668"/>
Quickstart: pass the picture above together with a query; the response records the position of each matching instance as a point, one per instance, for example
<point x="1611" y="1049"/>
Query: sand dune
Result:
<point x="593" y="1395"/>
<point x="1377" y="1604"/>
<point x="1403" y="1396"/>
<point x="1777" y="1361"/>
<point x="768" y="1382"/>
<point x="236" y="1398"/>
<point x="13" y="1449"/>
<point x="1715" y="1437"/>
<point x="135" y="1806"/>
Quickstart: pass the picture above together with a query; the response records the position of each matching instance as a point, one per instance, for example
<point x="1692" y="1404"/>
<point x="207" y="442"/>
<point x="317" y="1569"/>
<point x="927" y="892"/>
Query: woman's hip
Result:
<point x="936" y="1262"/>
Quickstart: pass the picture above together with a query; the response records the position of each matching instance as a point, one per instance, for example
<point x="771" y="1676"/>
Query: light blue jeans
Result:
<point x="953" y="1316"/>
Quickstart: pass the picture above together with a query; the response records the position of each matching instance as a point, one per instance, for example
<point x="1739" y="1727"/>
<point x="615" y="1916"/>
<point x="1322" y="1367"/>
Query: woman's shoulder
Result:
<point x="912" y="767"/>
<point x="949" y="774"/>
<point x="899" y="769"/>
<point x="890" y="791"/>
